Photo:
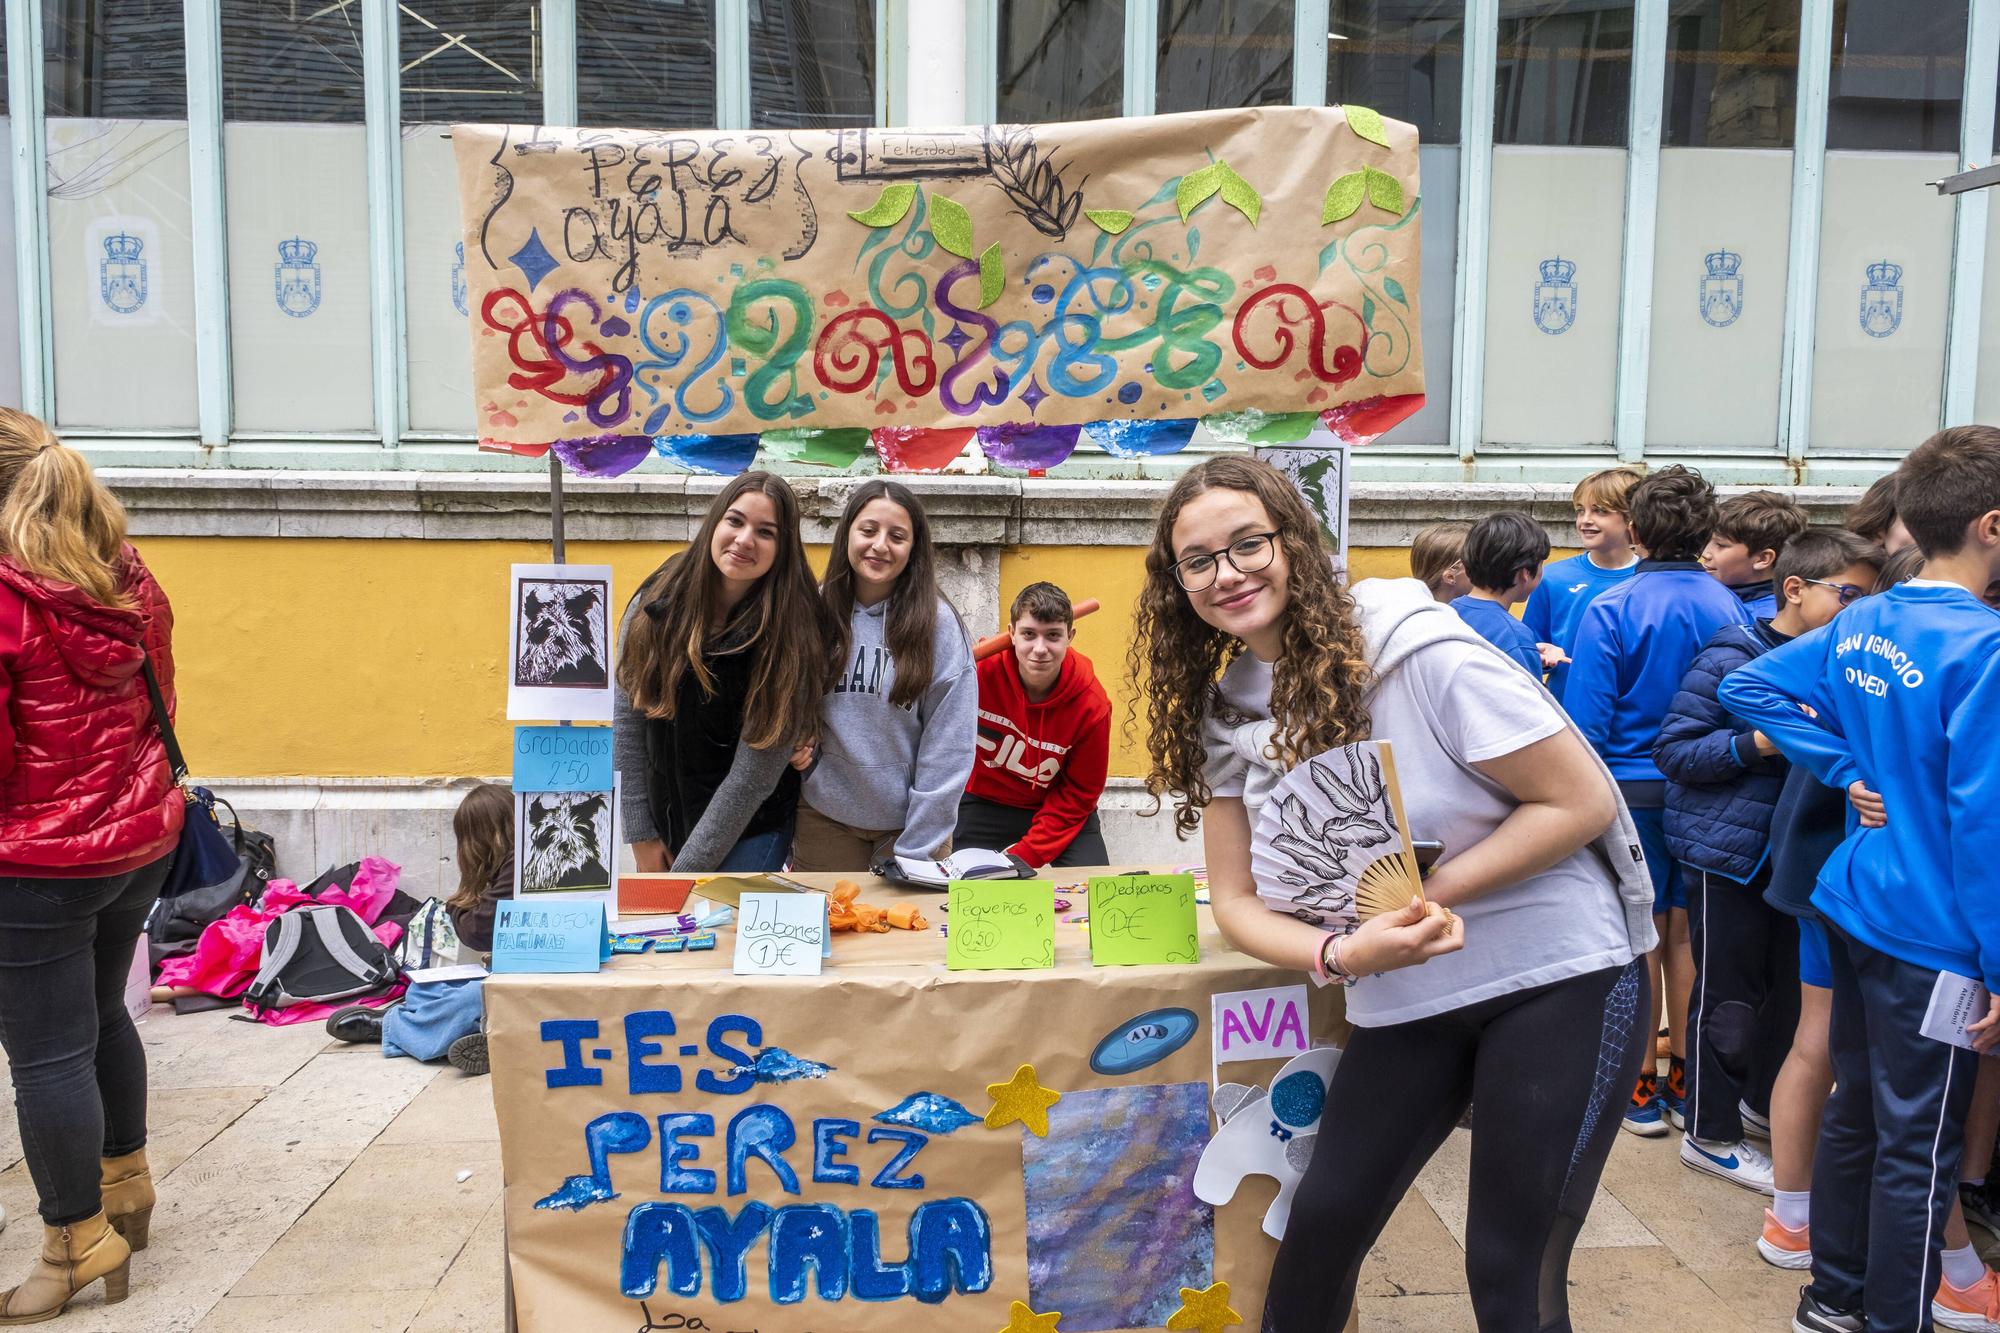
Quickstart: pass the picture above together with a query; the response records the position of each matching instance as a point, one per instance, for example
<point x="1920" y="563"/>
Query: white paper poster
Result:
<point x="780" y="934"/>
<point x="559" y="658"/>
<point x="566" y="844"/>
<point x="1258" y="1024"/>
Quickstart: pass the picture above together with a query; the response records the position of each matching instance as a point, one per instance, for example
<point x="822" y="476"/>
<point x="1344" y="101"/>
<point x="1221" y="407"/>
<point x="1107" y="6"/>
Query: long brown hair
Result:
<point x="782" y="625"/>
<point x="483" y="824"/>
<point x="913" y="606"/>
<point x="1318" y="683"/>
<point x="56" y="518"/>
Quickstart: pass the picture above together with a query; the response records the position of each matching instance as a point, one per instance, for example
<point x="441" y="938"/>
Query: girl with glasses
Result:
<point x="1255" y="656"/>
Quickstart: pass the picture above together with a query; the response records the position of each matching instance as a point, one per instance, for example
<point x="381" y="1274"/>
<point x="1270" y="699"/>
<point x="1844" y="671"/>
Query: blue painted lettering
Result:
<point x="827" y="1146"/>
<point x="674" y="1178"/>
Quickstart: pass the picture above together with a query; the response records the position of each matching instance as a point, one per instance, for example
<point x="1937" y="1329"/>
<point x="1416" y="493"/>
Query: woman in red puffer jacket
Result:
<point x="89" y="819"/>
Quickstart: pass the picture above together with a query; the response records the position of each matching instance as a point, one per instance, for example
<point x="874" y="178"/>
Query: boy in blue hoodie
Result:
<point x="1603" y="504"/>
<point x="1503" y="558"/>
<point x="1899" y="695"/>
<point x="1750" y="533"/>
<point x="1633" y="646"/>
<point x="1724" y="779"/>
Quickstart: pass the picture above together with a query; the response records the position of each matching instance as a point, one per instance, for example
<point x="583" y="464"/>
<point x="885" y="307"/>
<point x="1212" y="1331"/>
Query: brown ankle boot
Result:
<point x="73" y="1257"/>
<point x="127" y="1184"/>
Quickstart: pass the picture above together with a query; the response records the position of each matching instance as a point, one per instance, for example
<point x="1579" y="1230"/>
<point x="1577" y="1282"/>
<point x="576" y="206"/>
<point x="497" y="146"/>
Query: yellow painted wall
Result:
<point x="384" y="658"/>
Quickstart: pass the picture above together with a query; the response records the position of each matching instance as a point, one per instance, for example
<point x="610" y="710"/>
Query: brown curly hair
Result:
<point x="1319" y="682"/>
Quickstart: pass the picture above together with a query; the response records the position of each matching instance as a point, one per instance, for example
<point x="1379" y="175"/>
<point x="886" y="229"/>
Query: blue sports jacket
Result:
<point x="1720" y="792"/>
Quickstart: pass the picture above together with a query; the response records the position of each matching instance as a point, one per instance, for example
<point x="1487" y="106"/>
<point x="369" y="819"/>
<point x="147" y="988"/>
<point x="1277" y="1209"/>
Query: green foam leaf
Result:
<point x="1366" y="122"/>
<point x="992" y="275"/>
<point x="1343" y="198"/>
<point x="1384" y="191"/>
<point x="951" y="226"/>
<point x="1240" y="194"/>
<point x="889" y="209"/>
<point x="1197" y="186"/>
<point x="1112" y="221"/>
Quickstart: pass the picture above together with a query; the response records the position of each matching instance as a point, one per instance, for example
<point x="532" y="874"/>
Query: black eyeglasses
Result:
<point x="1847" y="592"/>
<point x="1246" y="555"/>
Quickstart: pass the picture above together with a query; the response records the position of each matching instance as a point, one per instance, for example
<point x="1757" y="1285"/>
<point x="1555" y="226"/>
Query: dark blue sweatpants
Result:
<point x="1889" y="1146"/>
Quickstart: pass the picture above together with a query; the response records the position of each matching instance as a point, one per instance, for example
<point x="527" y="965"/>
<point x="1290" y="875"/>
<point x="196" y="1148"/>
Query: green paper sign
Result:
<point x="1143" y="919"/>
<point x="1000" y="923"/>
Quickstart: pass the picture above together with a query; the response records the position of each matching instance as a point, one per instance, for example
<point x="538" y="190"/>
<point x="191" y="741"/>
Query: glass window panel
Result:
<point x="466" y="60"/>
<point x="1884" y="289"/>
<point x="10" y="328"/>
<point x="646" y="65"/>
<point x="1565" y="72"/>
<point x="1732" y="74"/>
<point x="120" y="248"/>
<point x="1718" y="325"/>
<point x="301" y="335"/>
<point x="812" y="63"/>
<point x="1405" y="58"/>
<point x="1552" y="298"/>
<point x="1224" y="53"/>
<point x="1986" y="399"/>
<point x="1061" y="60"/>
<point x="1898" y="75"/>
<point x="1437" y="166"/>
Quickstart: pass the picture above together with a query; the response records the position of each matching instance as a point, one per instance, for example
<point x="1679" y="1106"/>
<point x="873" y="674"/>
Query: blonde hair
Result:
<point x="1610" y="489"/>
<point x="1436" y="549"/>
<point x="57" y="520"/>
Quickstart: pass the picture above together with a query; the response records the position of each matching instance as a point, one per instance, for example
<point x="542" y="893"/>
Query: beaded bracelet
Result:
<point x="1331" y="974"/>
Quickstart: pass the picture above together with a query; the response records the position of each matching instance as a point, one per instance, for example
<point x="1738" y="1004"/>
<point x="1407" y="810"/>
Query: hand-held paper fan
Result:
<point x="1332" y="845"/>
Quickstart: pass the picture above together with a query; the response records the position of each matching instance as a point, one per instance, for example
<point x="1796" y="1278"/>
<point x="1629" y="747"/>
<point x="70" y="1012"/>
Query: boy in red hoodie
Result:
<point x="1044" y="742"/>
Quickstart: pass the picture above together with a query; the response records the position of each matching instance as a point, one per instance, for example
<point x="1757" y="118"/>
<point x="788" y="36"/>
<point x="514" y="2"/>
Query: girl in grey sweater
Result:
<point x="897" y="729"/>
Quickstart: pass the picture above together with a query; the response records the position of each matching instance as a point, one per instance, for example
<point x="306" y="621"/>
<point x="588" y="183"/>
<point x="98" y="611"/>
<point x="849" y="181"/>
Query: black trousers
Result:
<point x="79" y="1069"/>
<point x="1746" y="1001"/>
<point x="1550" y="1068"/>
<point x="1889" y="1145"/>
<point x="996" y="827"/>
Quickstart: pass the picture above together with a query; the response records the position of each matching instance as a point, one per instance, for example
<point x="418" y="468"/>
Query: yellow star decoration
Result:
<point x="1205" y="1311"/>
<point x="1022" y="1098"/>
<point x="1020" y="1319"/>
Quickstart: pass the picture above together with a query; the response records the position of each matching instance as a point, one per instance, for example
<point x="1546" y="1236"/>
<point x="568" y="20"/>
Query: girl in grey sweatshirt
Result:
<point x="898" y="728"/>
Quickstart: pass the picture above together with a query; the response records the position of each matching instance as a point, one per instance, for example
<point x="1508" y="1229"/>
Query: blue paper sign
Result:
<point x="562" y="759"/>
<point x="531" y="936"/>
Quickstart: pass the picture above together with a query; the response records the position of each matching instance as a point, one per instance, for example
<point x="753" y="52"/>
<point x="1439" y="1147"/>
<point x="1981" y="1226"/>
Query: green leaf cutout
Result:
<point x="1112" y="221"/>
<point x="1343" y="198"/>
<point x="889" y="209"/>
<point x="1366" y="122"/>
<point x="1384" y="191"/>
<point x="1395" y="291"/>
<point x="1197" y="186"/>
<point x="1218" y="176"/>
<point x="951" y="226"/>
<point x="992" y="275"/>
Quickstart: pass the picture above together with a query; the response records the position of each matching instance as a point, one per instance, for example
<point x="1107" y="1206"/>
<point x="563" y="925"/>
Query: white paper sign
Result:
<point x="780" y="934"/>
<point x="1956" y="1002"/>
<point x="559" y="636"/>
<point x="1257" y="1024"/>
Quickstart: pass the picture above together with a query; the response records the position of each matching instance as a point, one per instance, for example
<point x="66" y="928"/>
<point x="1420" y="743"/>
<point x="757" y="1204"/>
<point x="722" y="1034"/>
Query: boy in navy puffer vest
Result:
<point x="1723" y="779"/>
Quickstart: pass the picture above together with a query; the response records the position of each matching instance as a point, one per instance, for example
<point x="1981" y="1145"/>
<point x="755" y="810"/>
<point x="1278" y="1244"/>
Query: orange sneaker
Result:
<point x="1973" y="1309"/>
<point x="1783" y="1247"/>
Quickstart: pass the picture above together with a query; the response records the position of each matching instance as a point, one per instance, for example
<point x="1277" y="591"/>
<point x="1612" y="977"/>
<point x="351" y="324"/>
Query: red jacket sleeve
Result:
<point x="1073" y="796"/>
<point x="11" y="613"/>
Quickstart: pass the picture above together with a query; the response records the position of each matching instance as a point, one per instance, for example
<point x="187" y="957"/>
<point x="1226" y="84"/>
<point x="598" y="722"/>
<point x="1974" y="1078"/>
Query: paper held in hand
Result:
<point x="1956" y="1003"/>
<point x="1332" y="843"/>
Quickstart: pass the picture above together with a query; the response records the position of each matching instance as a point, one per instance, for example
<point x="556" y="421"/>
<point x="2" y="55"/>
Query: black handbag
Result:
<point x="204" y="856"/>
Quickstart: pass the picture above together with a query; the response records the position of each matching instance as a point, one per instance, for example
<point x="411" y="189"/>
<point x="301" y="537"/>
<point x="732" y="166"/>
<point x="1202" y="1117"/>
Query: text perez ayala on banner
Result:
<point x="691" y="291"/>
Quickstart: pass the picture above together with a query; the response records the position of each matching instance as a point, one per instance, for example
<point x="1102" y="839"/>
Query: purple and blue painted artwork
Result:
<point x="1114" y="1229"/>
<point x="604" y="455"/>
<point x="1031" y="448"/>
<point x="931" y="1112"/>
<point x="774" y="1064"/>
<point x="1141" y="439"/>
<point x="717" y="455"/>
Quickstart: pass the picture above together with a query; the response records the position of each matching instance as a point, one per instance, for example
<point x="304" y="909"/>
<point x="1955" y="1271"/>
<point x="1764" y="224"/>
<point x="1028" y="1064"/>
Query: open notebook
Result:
<point x="965" y="863"/>
<point x="1332" y="845"/>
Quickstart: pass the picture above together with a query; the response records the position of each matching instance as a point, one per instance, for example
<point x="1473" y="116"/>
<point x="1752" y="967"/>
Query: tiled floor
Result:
<point x="312" y="1187"/>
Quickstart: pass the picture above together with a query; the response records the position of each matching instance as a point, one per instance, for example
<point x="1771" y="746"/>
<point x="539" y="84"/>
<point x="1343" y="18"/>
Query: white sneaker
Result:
<point x="1754" y="1126"/>
<point x="1737" y="1163"/>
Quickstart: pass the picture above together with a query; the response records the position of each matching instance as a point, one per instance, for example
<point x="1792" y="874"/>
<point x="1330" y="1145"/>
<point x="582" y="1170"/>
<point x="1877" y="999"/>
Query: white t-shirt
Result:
<point x="1449" y="705"/>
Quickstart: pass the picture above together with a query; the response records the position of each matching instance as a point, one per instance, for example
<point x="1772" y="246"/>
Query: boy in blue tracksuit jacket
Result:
<point x="1751" y="531"/>
<point x="1634" y="645"/>
<point x="1904" y="690"/>
<point x="1603" y="504"/>
<point x="1503" y="559"/>
<point x="1724" y="780"/>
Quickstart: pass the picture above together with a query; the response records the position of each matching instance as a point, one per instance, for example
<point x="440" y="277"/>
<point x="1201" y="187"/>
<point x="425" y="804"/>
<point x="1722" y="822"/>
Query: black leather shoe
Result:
<point x="356" y="1023"/>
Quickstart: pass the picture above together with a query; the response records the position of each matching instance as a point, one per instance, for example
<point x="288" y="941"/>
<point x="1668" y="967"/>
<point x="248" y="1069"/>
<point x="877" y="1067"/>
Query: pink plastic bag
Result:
<point x="226" y="957"/>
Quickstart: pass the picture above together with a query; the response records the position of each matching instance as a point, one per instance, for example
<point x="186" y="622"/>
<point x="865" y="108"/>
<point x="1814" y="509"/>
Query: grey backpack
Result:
<point x="319" y="954"/>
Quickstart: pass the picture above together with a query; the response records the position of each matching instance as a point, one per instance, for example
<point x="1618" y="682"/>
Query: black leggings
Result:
<point x="1549" y="1069"/>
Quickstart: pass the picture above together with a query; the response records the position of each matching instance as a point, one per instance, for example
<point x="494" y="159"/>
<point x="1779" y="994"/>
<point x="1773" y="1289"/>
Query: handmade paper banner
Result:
<point x="1255" y="267"/>
<point x="1143" y="919"/>
<point x="562" y="759"/>
<point x="549" y="937"/>
<point x="998" y="923"/>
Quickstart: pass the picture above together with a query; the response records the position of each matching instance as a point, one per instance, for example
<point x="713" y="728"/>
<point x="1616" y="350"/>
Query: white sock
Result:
<point x="1791" y="1207"/>
<point x="1963" y="1267"/>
